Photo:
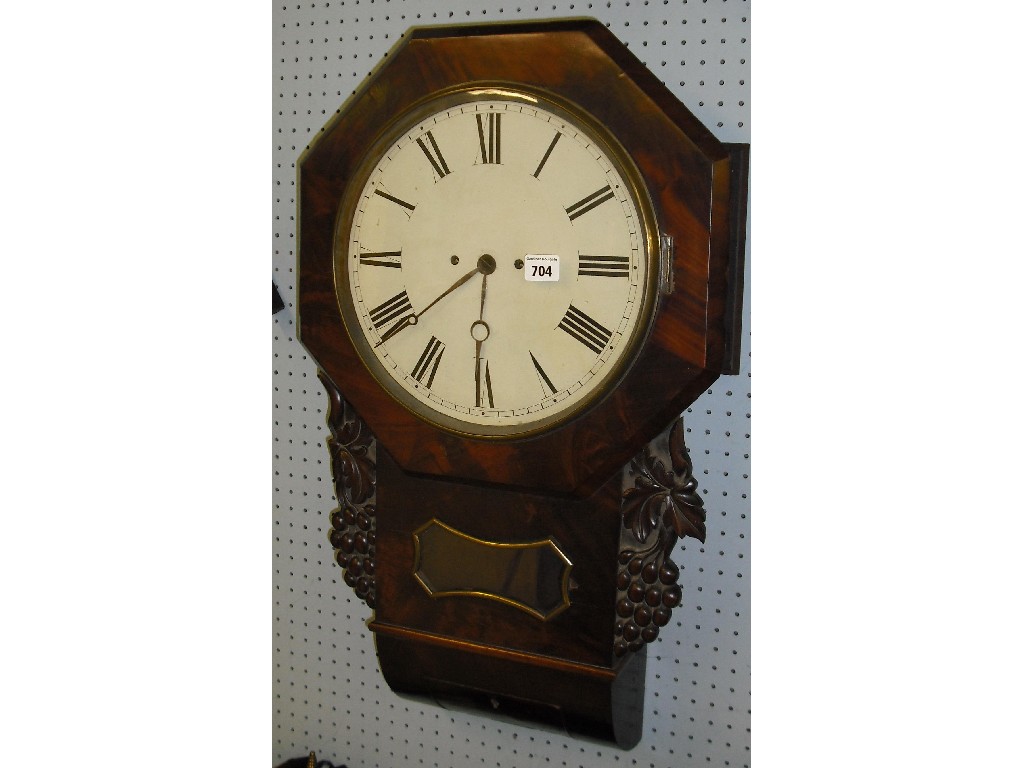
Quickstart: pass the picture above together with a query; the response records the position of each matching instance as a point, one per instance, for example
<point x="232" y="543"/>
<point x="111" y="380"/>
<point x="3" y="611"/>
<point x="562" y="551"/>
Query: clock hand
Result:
<point x="483" y="296"/>
<point x="408" y="320"/>
<point x="461" y="281"/>
<point x="479" y="331"/>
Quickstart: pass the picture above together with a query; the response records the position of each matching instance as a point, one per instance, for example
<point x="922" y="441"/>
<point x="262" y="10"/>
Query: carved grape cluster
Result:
<point x="648" y="593"/>
<point x="354" y="538"/>
<point x="662" y="505"/>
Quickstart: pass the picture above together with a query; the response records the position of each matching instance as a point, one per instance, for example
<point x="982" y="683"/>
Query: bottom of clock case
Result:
<point x="599" y="704"/>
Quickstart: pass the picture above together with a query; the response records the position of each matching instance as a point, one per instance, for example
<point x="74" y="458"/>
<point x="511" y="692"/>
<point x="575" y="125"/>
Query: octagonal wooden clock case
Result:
<point x="519" y="261"/>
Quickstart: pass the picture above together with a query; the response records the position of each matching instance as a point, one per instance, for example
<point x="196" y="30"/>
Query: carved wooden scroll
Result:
<point x="353" y="450"/>
<point x="660" y="504"/>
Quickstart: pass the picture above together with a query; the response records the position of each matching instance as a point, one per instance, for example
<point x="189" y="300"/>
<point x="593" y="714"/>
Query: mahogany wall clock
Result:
<point x="519" y="261"/>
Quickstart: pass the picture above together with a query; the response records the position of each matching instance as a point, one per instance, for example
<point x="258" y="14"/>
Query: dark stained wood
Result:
<point x="688" y="174"/>
<point x="738" y="171"/>
<point x="573" y="701"/>
<point x="586" y="531"/>
<point x="572" y="670"/>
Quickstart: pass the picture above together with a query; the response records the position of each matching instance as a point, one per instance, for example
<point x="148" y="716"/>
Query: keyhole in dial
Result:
<point x="479" y="330"/>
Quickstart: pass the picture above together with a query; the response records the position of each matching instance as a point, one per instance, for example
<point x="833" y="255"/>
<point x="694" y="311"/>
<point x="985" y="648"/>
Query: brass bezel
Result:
<point x="636" y="188"/>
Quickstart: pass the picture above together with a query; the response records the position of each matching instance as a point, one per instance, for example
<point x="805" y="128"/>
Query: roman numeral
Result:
<point x="604" y="266"/>
<point x="483" y="384"/>
<point x="545" y="383"/>
<point x="394" y="199"/>
<point x="381" y="259"/>
<point x="394" y="307"/>
<point x="490" y="139"/>
<point x="543" y="160"/>
<point x="585" y="329"/>
<point x="433" y="153"/>
<point x="428" y="362"/>
<point x="590" y="202"/>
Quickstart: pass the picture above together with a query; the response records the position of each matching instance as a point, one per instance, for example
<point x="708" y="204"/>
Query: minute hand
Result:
<point x="408" y="320"/>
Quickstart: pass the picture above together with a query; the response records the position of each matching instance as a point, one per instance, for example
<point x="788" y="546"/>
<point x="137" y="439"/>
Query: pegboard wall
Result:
<point x="328" y="694"/>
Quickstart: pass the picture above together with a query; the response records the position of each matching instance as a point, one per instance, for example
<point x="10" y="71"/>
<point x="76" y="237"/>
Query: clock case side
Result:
<point x="739" y="172"/>
<point x="688" y="174"/>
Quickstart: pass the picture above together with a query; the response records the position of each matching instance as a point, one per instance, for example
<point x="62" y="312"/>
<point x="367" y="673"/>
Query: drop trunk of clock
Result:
<point x="517" y="620"/>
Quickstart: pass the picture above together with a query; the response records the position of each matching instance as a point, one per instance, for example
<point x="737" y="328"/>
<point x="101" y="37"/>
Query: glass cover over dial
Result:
<point x="495" y="271"/>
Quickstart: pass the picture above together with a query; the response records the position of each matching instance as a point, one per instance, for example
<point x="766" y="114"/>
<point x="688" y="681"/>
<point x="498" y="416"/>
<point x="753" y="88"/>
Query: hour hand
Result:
<point x="401" y="325"/>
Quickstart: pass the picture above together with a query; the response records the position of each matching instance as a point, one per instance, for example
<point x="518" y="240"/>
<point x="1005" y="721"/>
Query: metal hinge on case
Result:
<point x="666" y="271"/>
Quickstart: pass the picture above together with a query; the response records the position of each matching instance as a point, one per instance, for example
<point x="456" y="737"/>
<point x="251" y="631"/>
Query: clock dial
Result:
<point x="495" y="271"/>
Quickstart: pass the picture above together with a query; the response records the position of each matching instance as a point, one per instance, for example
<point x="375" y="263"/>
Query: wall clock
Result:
<point x="519" y="261"/>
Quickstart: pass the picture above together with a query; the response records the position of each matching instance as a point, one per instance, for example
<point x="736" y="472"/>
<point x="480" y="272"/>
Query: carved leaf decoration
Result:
<point x="664" y="502"/>
<point x="645" y="505"/>
<point x="686" y="521"/>
<point x="354" y="471"/>
<point x="687" y="515"/>
<point x="663" y="477"/>
<point x="663" y="497"/>
<point x="639" y="522"/>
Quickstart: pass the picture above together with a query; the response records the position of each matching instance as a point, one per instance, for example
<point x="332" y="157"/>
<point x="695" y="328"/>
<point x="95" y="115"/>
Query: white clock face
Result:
<point x="497" y="273"/>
